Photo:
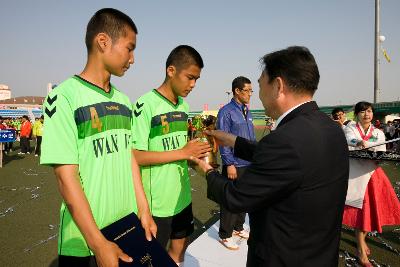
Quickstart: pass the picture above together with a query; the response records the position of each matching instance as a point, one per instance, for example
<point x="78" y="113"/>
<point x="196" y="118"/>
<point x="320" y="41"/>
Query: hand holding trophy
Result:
<point x="200" y="124"/>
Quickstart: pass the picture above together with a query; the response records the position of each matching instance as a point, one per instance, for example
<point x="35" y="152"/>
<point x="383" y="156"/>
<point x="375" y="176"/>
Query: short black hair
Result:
<point x="296" y="66"/>
<point x="361" y="106"/>
<point x="239" y="82"/>
<point x="110" y="21"/>
<point x="336" y="110"/>
<point x="183" y="56"/>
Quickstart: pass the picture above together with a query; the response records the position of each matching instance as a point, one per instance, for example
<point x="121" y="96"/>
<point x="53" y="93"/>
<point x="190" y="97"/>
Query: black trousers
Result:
<point x="8" y="146"/>
<point x="254" y="260"/>
<point x="38" y="144"/>
<point x="24" y="143"/>
<point x="230" y="221"/>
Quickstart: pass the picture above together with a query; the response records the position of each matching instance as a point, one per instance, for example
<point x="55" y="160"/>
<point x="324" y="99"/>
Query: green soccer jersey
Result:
<point x="159" y="125"/>
<point x="86" y="126"/>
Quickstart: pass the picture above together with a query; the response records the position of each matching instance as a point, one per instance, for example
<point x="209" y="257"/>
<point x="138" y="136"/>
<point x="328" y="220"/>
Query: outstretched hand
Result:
<point x="202" y="166"/>
<point x="222" y="138"/>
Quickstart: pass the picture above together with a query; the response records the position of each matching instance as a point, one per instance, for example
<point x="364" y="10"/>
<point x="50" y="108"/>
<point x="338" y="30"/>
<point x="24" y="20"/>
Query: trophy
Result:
<point x="197" y="126"/>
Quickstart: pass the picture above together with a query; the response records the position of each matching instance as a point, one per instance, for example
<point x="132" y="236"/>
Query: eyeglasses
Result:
<point x="247" y="91"/>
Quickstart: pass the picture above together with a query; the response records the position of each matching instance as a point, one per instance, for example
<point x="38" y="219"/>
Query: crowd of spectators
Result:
<point x="391" y="129"/>
<point x="26" y="131"/>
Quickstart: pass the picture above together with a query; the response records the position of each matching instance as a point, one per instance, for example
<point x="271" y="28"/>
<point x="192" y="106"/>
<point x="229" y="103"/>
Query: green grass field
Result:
<point x="30" y="202"/>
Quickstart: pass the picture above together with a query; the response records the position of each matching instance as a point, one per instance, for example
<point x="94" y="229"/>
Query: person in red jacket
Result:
<point x="2" y="125"/>
<point x="26" y="128"/>
<point x="7" y="125"/>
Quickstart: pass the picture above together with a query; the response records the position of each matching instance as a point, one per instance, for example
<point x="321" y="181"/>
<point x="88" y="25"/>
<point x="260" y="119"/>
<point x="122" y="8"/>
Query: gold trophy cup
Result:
<point x="198" y="125"/>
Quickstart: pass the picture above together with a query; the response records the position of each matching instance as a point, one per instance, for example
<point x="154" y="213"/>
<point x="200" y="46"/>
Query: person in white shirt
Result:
<point x="371" y="201"/>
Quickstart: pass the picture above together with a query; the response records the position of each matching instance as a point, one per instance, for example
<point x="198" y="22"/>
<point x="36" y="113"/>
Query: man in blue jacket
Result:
<point x="235" y="118"/>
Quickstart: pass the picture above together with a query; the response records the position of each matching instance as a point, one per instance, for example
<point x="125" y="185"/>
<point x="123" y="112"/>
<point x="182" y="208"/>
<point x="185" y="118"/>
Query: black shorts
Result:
<point x="178" y="226"/>
<point x="68" y="261"/>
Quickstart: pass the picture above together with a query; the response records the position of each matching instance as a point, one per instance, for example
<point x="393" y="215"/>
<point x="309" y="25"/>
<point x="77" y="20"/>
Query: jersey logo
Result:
<point x="112" y="107"/>
<point x="138" y="106"/>
<point x="50" y="112"/>
<point x="51" y="100"/>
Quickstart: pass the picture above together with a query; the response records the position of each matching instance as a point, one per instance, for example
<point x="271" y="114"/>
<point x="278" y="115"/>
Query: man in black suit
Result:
<point x="295" y="188"/>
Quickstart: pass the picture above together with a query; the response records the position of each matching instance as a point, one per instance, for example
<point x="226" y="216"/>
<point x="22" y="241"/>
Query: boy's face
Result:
<point x="119" y="55"/>
<point x="183" y="81"/>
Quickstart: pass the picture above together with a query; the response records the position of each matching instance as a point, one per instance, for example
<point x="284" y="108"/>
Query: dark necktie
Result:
<point x="244" y="110"/>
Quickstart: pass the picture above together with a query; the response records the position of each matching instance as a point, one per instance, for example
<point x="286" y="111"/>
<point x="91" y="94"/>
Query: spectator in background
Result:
<point x="2" y="124"/>
<point x="191" y="129"/>
<point x="371" y="201"/>
<point x="235" y="118"/>
<point x="386" y="131"/>
<point x="9" y="125"/>
<point x="396" y="145"/>
<point x="2" y="127"/>
<point x="25" y="134"/>
<point x="339" y="116"/>
<point x="377" y="124"/>
<point x="17" y="126"/>
<point x="37" y="132"/>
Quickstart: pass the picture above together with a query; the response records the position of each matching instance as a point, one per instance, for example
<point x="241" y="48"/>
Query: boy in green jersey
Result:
<point x="87" y="139"/>
<point x="161" y="149"/>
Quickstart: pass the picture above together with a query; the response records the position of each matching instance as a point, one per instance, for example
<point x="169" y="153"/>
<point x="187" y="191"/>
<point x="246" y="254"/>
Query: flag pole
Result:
<point x="376" y="57"/>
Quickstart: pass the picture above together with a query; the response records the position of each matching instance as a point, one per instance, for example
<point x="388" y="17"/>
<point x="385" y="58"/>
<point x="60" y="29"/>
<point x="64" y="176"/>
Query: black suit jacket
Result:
<point x="294" y="190"/>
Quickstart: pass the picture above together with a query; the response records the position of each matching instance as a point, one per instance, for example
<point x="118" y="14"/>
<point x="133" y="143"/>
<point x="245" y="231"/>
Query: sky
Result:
<point x="43" y="42"/>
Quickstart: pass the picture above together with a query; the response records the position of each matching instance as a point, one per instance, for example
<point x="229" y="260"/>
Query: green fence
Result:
<point x="383" y="108"/>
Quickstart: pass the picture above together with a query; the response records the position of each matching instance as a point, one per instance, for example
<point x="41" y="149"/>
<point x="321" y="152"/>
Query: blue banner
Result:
<point x="7" y="136"/>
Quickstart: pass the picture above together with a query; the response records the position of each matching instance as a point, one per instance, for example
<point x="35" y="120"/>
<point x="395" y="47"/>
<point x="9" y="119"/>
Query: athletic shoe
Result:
<point x="243" y="234"/>
<point x="229" y="243"/>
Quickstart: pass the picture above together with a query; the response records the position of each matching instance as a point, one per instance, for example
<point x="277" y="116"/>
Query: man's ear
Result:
<point x="102" y="41"/>
<point x="280" y="85"/>
<point x="171" y="71"/>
